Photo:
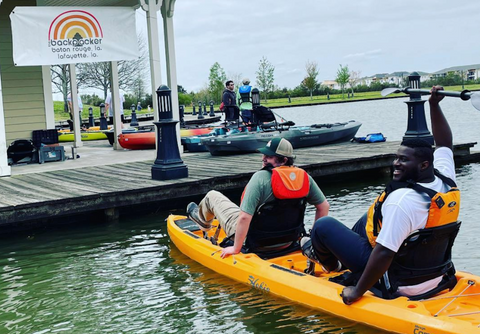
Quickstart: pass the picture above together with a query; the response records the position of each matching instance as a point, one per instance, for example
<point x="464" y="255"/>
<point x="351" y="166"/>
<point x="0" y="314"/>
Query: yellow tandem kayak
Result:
<point x="453" y="312"/>
<point x="87" y="135"/>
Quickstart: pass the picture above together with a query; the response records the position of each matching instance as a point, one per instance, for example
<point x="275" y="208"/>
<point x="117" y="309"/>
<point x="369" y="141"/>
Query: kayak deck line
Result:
<point x="461" y="314"/>
<point x="470" y="284"/>
<point x="449" y="312"/>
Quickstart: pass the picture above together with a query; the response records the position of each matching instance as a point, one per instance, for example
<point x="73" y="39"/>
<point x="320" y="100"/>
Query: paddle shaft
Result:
<point x="464" y="95"/>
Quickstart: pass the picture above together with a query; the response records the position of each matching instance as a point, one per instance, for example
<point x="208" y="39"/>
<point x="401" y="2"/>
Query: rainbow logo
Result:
<point x="75" y="25"/>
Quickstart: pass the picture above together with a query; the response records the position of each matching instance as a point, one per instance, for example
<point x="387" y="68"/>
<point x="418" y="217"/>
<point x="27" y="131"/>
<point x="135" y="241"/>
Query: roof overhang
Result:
<point x="88" y="3"/>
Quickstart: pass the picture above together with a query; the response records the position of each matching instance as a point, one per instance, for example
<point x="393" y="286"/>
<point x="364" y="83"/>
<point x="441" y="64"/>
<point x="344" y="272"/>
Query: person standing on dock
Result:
<point x="272" y="207"/>
<point x="229" y="97"/>
<point x="407" y="205"/>
<point x="70" y="109"/>
<point x="109" y="107"/>
<point x="244" y="100"/>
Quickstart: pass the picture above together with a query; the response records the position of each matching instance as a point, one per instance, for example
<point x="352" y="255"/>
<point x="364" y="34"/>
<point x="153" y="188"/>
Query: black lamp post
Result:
<point x="200" y="114"/>
<point x="91" y="120"/>
<point x="133" y="121"/>
<point x="417" y="125"/>
<point x="212" y="112"/>
<point x="103" y="120"/>
<point x="182" y="115"/>
<point x="205" y="108"/>
<point x="168" y="164"/>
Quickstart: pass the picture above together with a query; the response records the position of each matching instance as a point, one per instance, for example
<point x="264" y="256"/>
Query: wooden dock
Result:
<point x="30" y="198"/>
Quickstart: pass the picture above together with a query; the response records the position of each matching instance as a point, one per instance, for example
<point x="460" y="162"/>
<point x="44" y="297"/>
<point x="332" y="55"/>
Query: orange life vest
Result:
<point x="279" y="223"/>
<point x="288" y="182"/>
<point x="444" y="207"/>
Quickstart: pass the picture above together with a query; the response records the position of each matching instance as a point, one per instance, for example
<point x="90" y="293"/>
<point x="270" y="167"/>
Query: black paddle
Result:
<point x="465" y="95"/>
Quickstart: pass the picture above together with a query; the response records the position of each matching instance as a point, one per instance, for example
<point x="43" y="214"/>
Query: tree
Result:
<point x="138" y="89"/>
<point x="216" y="81"/>
<point x="310" y="81"/>
<point x="60" y="75"/>
<point x="97" y="75"/>
<point x="265" y="76"/>
<point x="354" y="78"/>
<point x="343" y="75"/>
<point x="236" y="78"/>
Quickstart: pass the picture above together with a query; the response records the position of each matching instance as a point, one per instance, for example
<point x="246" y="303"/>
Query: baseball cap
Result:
<point x="279" y="147"/>
<point x="246" y="81"/>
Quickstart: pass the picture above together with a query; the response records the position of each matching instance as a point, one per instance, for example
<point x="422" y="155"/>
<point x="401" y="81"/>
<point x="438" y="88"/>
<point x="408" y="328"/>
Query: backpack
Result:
<point x="370" y="138"/>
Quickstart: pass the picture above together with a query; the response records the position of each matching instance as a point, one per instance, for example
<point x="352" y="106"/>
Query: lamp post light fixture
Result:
<point x="168" y="165"/>
<point x="103" y="120"/>
<point x="133" y="121"/>
<point x="212" y="111"/>
<point x="200" y="113"/>
<point x="91" y="120"/>
<point x="417" y="124"/>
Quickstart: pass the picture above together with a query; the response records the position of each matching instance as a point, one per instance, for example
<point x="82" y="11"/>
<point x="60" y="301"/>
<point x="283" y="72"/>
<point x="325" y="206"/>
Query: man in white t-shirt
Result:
<point x="404" y="211"/>
<point x="109" y="107"/>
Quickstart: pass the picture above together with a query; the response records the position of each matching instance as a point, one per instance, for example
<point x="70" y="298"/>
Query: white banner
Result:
<point x="69" y="35"/>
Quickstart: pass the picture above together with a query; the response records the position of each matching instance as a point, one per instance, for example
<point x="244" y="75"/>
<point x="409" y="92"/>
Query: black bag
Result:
<point x="21" y="149"/>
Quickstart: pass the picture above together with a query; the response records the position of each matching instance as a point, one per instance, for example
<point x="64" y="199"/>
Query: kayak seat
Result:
<point x="232" y="115"/>
<point x="261" y="115"/>
<point x="424" y="255"/>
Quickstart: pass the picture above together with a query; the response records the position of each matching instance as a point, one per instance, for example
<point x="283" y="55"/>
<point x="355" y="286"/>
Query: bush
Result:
<point x="94" y="99"/>
<point x="184" y="99"/>
<point x="129" y="100"/>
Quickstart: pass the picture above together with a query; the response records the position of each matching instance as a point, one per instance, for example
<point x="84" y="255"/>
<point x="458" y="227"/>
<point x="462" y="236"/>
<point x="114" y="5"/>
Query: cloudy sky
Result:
<point x="370" y="36"/>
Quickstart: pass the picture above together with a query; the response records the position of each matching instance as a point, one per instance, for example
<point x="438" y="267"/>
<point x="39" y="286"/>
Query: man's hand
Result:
<point x="350" y="295"/>
<point x="228" y="251"/>
<point x="435" y="98"/>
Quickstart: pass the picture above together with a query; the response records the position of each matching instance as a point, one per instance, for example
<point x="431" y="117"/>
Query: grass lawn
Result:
<point x="60" y="115"/>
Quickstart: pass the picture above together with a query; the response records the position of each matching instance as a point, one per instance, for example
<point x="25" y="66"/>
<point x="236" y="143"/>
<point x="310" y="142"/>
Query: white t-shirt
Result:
<point x="80" y="104"/>
<point x="405" y="211"/>
<point x="108" y="101"/>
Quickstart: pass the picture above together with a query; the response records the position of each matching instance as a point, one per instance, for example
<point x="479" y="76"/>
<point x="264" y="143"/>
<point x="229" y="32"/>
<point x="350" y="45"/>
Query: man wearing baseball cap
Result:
<point x="244" y="100"/>
<point x="270" y="216"/>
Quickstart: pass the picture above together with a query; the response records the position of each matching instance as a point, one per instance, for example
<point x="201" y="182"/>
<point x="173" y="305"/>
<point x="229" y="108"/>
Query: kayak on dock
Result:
<point x="67" y="136"/>
<point x="455" y="311"/>
<point x="144" y="140"/>
<point x="236" y="137"/>
<point x="237" y="142"/>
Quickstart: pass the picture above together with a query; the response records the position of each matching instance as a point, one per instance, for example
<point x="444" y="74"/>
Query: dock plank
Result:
<point x="28" y="197"/>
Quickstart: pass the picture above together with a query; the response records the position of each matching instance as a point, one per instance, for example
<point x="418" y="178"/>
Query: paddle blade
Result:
<point x="475" y="98"/>
<point x="388" y="91"/>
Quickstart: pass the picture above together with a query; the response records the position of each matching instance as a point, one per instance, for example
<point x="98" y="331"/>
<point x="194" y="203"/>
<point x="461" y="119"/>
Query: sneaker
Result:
<point x="308" y="251"/>
<point x="193" y="214"/>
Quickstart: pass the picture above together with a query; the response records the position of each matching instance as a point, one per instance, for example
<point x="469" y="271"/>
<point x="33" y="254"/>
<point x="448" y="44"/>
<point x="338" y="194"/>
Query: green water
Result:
<point x="127" y="277"/>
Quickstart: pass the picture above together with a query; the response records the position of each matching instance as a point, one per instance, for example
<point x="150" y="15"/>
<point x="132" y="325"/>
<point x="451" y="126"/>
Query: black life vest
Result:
<point x="278" y="224"/>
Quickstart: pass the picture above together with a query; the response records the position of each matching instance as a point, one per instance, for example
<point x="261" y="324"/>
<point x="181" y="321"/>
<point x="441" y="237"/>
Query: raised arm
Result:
<point x="440" y="128"/>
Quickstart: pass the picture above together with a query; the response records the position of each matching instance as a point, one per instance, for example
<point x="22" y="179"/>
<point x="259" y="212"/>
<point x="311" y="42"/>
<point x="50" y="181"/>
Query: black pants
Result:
<point x="333" y="241"/>
<point x="110" y="119"/>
